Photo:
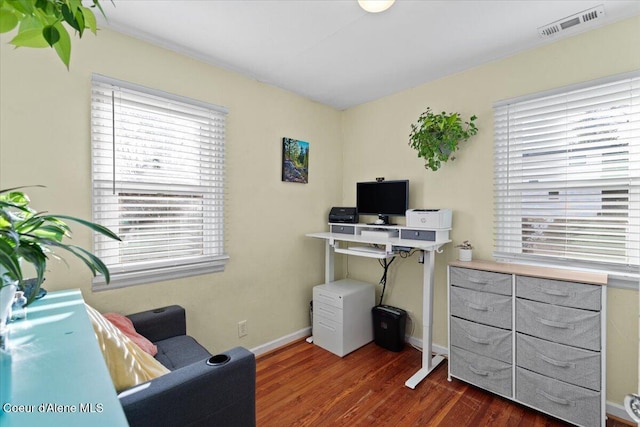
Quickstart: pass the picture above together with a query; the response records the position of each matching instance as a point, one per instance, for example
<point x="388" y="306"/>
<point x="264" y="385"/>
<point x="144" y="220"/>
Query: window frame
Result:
<point x="207" y="192"/>
<point x="624" y="275"/>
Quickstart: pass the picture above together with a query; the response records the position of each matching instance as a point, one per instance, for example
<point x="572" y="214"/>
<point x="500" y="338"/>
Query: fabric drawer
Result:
<point x="481" y="339"/>
<point x="328" y="312"/>
<point x="479" y="280"/>
<point x="343" y="229"/>
<point x="573" y="365"/>
<point x="428" y="235"/>
<point x="484" y="372"/>
<point x="575" y="404"/>
<point x="481" y="307"/>
<point x="568" y="294"/>
<point x="570" y="326"/>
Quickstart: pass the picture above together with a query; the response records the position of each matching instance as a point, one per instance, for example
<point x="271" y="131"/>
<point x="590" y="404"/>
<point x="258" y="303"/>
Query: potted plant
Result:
<point x="465" y="251"/>
<point x="436" y="136"/>
<point x="31" y="237"/>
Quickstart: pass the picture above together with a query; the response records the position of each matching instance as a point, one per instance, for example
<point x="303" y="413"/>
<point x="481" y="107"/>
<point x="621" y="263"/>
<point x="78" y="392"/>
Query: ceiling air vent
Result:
<point x="571" y="22"/>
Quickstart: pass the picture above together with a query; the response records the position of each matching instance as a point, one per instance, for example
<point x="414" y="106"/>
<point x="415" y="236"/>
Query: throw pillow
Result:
<point x="127" y="363"/>
<point x="126" y="326"/>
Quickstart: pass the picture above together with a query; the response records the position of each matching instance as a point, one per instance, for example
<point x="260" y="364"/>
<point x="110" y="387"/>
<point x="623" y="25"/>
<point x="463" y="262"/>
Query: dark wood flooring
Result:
<point x="304" y="385"/>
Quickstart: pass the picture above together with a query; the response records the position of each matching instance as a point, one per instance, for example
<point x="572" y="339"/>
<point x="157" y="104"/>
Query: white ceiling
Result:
<point x="333" y="52"/>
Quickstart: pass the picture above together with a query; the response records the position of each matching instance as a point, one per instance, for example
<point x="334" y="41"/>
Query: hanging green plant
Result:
<point x="436" y="136"/>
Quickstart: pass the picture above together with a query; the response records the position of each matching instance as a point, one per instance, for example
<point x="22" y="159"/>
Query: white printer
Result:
<point x="429" y="218"/>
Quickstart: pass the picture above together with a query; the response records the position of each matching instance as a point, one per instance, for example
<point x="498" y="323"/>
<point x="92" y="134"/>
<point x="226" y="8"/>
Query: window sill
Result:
<point x="123" y="280"/>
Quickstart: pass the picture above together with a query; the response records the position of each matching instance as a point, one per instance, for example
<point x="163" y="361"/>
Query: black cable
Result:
<point x="407" y="254"/>
<point x="383" y="280"/>
<point x="385" y="265"/>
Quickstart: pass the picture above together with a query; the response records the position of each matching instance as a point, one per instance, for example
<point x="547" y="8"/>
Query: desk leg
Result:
<point x="429" y="363"/>
<point x="329" y="255"/>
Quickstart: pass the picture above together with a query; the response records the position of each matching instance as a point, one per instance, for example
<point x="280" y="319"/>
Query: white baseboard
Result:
<point x="295" y="336"/>
<point x="288" y="339"/>
<point x="435" y="348"/>
<point x="281" y="342"/>
<point x="618" y="410"/>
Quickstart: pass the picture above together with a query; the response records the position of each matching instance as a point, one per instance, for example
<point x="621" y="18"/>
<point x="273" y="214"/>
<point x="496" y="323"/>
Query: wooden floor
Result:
<point x="304" y="385"/>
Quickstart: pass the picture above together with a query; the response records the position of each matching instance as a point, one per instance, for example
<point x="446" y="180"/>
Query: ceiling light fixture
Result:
<point x="375" y="6"/>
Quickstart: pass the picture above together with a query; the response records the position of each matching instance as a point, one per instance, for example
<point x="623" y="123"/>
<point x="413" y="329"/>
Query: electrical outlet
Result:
<point x="242" y="329"/>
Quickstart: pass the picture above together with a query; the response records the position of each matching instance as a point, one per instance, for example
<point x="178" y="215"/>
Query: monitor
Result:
<point x="382" y="198"/>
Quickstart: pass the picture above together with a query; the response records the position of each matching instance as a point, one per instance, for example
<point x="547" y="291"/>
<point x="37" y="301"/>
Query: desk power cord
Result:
<point x="385" y="264"/>
<point x="383" y="280"/>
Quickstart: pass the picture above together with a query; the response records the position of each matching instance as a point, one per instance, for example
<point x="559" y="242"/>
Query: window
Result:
<point x="158" y="182"/>
<point x="567" y="176"/>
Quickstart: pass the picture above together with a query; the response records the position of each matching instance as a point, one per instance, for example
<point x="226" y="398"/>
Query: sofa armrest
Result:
<point x="197" y="395"/>
<point x="160" y="323"/>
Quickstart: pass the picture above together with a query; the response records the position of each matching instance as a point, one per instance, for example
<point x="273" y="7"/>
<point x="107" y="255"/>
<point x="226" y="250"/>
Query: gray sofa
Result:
<point x="201" y="389"/>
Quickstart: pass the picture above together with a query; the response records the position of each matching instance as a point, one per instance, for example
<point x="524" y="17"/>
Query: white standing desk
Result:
<point x="428" y="250"/>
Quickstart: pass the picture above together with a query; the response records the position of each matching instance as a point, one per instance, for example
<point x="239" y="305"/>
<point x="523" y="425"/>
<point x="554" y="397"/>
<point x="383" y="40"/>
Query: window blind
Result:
<point x="158" y="182"/>
<point x="567" y="176"/>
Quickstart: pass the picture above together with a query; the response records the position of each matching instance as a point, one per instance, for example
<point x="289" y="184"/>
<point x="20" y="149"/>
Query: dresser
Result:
<point x="531" y="334"/>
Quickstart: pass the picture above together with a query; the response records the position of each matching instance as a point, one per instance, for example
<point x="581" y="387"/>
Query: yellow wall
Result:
<point x="45" y="138"/>
<point x="376" y="134"/>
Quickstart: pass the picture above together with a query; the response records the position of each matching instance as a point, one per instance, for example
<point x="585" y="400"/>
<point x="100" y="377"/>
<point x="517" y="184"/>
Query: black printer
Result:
<point x="344" y="215"/>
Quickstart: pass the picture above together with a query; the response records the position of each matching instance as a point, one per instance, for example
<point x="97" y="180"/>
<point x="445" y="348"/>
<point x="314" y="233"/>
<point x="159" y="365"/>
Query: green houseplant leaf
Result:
<point x="8" y="20"/>
<point x="436" y="136"/>
<point x="42" y="23"/>
<point x="51" y="34"/>
<point x="63" y="45"/>
<point x="30" y="38"/>
<point x="32" y="237"/>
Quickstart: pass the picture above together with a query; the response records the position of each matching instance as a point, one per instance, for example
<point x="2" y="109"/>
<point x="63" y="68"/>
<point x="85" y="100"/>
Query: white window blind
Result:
<point x="567" y="177"/>
<point x="158" y="182"/>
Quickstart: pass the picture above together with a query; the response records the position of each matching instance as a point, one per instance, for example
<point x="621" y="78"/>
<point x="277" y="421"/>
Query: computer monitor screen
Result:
<point x="383" y="198"/>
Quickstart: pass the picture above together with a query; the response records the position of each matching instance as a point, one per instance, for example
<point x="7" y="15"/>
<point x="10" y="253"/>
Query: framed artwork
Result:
<point x="295" y="160"/>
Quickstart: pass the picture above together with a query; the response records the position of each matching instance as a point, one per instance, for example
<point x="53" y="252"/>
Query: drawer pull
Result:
<point x="478" y="307"/>
<point x="332" y="329"/>
<point x="478" y="340"/>
<point x="479" y="371"/>
<point x="477" y="281"/>
<point x="555" y="399"/>
<point x="553" y="324"/>
<point x="330" y="297"/>
<point x="554" y="362"/>
<point x="555" y="292"/>
<point x="324" y="310"/>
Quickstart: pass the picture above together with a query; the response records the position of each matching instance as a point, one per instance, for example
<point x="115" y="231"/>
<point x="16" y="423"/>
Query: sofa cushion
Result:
<point x="183" y="350"/>
<point x="126" y="326"/>
<point x="128" y="365"/>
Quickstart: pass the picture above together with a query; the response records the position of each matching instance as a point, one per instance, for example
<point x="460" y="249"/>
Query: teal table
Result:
<point x="58" y="374"/>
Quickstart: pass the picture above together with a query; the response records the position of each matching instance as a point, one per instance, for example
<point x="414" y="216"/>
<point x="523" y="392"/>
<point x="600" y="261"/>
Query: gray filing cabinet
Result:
<point x="520" y="332"/>
<point x="342" y="319"/>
